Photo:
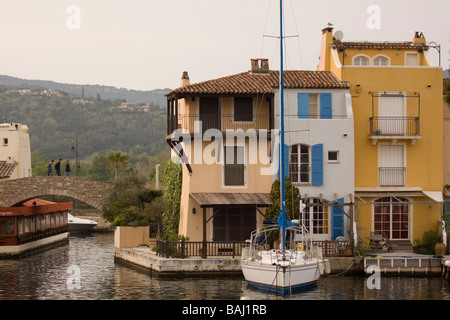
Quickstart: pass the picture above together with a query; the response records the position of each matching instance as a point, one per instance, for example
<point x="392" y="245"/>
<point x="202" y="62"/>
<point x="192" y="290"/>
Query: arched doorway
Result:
<point x="391" y="217"/>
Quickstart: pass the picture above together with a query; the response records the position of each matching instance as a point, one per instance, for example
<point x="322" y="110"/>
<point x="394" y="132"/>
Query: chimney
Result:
<point x="419" y="38"/>
<point x="259" y="66"/>
<point x="325" y="51"/>
<point x="185" y="79"/>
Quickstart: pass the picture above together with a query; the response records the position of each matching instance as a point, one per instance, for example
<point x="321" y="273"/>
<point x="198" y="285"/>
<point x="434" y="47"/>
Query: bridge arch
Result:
<point x="94" y="193"/>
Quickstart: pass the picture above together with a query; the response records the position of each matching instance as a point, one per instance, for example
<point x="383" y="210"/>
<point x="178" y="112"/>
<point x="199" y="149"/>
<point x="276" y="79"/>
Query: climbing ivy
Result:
<point x="173" y="180"/>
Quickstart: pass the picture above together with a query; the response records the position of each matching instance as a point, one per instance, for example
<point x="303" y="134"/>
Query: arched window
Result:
<point x="391" y="217"/>
<point x="380" y="61"/>
<point x="360" y="61"/>
<point x="300" y="164"/>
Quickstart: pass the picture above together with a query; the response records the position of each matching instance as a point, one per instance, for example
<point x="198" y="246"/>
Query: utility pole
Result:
<point x="157" y="176"/>
<point x="77" y="164"/>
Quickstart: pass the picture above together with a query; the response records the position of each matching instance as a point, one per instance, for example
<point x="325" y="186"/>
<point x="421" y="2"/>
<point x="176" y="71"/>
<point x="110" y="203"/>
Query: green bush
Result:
<point x="430" y="238"/>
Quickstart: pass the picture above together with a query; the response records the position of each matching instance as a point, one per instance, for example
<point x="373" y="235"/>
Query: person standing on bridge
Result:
<point x="67" y="170"/>
<point x="58" y="167"/>
<point x="49" y="168"/>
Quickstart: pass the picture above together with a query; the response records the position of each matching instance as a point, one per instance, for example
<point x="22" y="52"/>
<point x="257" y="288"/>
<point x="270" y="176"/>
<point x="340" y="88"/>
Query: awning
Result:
<point x="398" y="192"/>
<point x="232" y="199"/>
<point x="435" y="195"/>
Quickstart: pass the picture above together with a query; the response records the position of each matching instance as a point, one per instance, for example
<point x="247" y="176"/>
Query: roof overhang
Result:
<point x="206" y="199"/>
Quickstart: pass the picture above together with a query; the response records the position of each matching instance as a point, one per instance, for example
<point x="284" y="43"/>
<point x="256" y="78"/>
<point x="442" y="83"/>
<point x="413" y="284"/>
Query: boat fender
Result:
<point x="327" y="266"/>
<point x="321" y="268"/>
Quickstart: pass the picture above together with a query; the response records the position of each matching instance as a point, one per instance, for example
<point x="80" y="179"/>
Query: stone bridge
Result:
<point x="17" y="191"/>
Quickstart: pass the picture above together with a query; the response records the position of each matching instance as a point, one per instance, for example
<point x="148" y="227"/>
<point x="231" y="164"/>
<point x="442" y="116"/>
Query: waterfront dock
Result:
<point x="143" y="257"/>
<point x="403" y="263"/>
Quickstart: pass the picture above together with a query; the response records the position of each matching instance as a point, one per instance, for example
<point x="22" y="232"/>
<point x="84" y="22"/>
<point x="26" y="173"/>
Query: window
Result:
<point x="234" y="167"/>
<point x="233" y="223"/>
<point x="391" y="165"/>
<point x="5" y="141"/>
<point x="315" y="217"/>
<point x="300" y="164"/>
<point x="391" y="217"/>
<point x="306" y="164"/>
<point x="6" y="226"/>
<point x="380" y="61"/>
<point x="333" y="156"/>
<point x="411" y="59"/>
<point x="243" y="109"/>
<point x="360" y="61"/>
<point x="314" y="105"/>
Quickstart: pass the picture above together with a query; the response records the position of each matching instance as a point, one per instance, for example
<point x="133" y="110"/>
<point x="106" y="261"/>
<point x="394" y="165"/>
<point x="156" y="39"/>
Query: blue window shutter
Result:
<point x="337" y="220"/>
<point x="286" y="160"/>
<point x="317" y="164"/>
<point x="325" y="106"/>
<point x="303" y="105"/>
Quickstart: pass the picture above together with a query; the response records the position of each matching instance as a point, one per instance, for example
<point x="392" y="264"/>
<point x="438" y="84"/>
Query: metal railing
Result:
<point x="395" y="126"/>
<point x="223" y="122"/>
<point x="183" y="249"/>
<point x="392" y="176"/>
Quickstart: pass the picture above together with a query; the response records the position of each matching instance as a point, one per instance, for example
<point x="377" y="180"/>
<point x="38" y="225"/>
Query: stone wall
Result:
<point x="94" y="193"/>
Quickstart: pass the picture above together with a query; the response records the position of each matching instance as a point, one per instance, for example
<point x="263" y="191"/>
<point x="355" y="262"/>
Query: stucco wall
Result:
<point x="128" y="237"/>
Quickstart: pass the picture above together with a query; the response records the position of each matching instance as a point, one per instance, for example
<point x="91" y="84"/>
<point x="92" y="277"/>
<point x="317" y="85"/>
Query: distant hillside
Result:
<point x="153" y="97"/>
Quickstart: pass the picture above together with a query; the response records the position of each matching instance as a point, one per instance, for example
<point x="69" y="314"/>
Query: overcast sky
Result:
<point x="147" y="44"/>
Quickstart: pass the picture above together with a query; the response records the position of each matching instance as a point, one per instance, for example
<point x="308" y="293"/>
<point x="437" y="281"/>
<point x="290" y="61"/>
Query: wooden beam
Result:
<point x="204" y="255"/>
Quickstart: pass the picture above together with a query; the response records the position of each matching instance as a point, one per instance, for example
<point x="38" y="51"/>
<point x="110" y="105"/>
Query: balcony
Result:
<point x="394" y="128"/>
<point x="392" y="176"/>
<point x="395" y="115"/>
<point x="195" y="123"/>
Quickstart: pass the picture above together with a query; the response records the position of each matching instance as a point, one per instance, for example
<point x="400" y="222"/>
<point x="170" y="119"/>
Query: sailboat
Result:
<point x="297" y="263"/>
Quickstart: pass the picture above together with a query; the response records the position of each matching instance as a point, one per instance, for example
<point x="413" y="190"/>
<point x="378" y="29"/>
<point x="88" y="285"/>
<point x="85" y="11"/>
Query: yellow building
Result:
<point x="397" y="104"/>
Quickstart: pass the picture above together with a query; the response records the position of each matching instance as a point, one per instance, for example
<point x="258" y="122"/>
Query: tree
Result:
<point x="292" y="195"/>
<point x="98" y="169"/>
<point x="292" y="204"/>
<point x="38" y="164"/>
<point x="118" y="160"/>
<point x="155" y="211"/>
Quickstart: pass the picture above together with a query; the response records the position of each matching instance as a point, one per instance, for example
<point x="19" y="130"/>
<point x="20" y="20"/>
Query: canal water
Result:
<point x="84" y="269"/>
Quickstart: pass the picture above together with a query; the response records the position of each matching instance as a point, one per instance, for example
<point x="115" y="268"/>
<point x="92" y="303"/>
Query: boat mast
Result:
<point x="282" y="151"/>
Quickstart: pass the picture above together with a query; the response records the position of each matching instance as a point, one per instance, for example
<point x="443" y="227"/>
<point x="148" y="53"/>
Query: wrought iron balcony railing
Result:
<point x="193" y="123"/>
<point x="392" y="176"/>
<point x="395" y="126"/>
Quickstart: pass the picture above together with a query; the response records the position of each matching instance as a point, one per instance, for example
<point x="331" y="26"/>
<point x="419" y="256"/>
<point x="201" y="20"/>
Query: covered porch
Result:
<point x="235" y="215"/>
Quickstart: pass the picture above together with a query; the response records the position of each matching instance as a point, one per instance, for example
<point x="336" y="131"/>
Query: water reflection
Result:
<point x="45" y="276"/>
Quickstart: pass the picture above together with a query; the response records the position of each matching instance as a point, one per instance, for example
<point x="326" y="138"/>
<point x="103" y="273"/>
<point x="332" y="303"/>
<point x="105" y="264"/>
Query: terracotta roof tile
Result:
<point x="6" y="168"/>
<point x="378" y="45"/>
<point x="253" y="83"/>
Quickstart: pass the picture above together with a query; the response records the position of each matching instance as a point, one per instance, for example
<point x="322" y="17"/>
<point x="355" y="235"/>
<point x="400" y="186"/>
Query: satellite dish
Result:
<point x="339" y="35"/>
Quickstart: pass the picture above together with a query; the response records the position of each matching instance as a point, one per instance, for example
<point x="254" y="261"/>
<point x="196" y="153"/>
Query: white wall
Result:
<point x="335" y="134"/>
<point x="17" y="149"/>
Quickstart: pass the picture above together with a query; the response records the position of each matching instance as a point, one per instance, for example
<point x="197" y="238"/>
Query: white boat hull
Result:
<point x="80" y="225"/>
<point x="280" y="278"/>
